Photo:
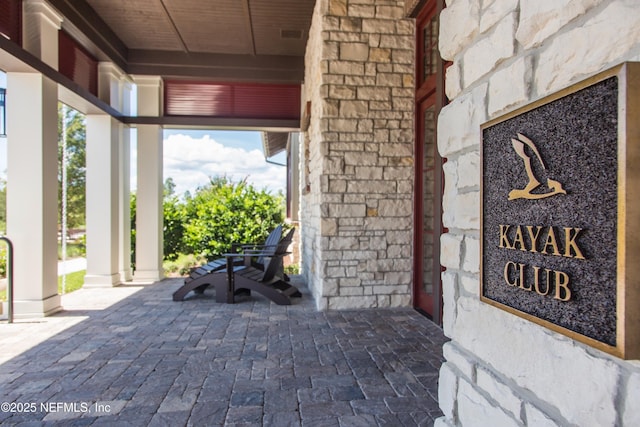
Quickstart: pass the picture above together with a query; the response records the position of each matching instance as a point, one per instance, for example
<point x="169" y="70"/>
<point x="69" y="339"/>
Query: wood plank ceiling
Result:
<point x="239" y="40"/>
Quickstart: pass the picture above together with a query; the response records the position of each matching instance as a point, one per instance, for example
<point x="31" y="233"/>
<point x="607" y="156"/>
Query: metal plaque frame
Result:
<point x="626" y="236"/>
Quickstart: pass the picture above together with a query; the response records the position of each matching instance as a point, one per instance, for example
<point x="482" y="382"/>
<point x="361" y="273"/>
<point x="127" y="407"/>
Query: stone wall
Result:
<point x="501" y="369"/>
<point x="357" y="209"/>
<point x="311" y="159"/>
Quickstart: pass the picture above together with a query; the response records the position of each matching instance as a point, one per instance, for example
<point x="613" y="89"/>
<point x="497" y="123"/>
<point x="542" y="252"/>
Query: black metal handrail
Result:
<point x="9" y="277"/>
<point x="3" y="112"/>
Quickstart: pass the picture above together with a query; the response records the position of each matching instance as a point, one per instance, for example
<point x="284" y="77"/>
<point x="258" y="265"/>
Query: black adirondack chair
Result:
<point x="268" y="281"/>
<point x="262" y="259"/>
<point x="200" y="277"/>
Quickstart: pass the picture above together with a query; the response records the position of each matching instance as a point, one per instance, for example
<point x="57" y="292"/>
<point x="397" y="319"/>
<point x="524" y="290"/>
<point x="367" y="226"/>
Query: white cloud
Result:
<point x="190" y="162"/>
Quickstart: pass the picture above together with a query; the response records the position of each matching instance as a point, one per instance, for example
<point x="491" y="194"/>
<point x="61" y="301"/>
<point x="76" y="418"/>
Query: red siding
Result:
<point x="77" y="64"/>
<point x="11" y="19"/>
<point x="232" y="100"/>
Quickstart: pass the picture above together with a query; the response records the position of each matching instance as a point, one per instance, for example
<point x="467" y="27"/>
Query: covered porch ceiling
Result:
<point x="208" y="53"/>
<point x="257" y="41"/>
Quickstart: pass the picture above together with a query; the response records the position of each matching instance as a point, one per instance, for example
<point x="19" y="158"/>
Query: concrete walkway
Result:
<point x="71" y="265"/>
<point x="132" y="356"/>
<point x="64" y="267"/>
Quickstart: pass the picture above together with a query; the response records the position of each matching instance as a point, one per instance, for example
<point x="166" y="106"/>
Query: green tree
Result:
<point x="169" y="188"/>
<point x="132" y="216"/>
<point x="76" y="165"/>
<point x="223" y="212"/>
<point x="174" y="219"/>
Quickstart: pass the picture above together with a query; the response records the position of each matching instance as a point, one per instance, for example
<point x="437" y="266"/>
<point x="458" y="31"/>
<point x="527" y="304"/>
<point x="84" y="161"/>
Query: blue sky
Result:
<point x="192" y="156"/>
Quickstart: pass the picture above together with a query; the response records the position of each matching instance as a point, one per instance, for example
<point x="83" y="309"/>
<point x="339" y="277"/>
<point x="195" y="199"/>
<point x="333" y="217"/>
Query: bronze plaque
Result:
<point x="560" y="216"/>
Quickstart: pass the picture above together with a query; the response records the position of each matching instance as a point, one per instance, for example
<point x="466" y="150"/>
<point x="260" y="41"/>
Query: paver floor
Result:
<point x="132" y="356"/>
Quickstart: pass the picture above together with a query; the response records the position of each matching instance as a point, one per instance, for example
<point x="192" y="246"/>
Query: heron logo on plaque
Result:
<point x="554" y="210"/>
<point x="527" y="192"/>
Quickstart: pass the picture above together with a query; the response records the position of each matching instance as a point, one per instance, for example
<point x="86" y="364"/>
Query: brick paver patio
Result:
<point x="132" y="356"/>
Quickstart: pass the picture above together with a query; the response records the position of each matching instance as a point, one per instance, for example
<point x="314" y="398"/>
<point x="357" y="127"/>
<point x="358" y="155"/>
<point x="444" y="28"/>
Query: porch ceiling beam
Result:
<point x="18" y="59"/>
<point x="199" y="122"/>
<point x="260" y="68"/>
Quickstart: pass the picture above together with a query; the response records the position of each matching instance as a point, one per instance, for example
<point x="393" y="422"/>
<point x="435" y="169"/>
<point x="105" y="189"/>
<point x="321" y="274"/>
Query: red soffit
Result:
<point x="76" y="63"/>
<point x="232" y="100"/>
<point x="10" y="19"/>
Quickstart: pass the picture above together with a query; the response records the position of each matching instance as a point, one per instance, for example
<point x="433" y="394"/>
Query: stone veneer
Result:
<point x="357" y="209"/>
<point x="502" y="370"/>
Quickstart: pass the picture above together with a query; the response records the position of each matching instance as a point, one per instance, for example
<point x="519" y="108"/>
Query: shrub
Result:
<point x="224" y="212"/>
<point x="173" y="227"/>
<point x="292" y="269"/>
<point x="219" y="214"/>
<point x="182" y="264"/>
<point x="74" y="249"/>
<point x="3" y="261"/>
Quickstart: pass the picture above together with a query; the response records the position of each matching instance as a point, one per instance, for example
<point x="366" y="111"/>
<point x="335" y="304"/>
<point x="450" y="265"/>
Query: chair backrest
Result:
<point x="287" y="239"/>
<point x="274" y="267"/>
<point x="271" y="244"/>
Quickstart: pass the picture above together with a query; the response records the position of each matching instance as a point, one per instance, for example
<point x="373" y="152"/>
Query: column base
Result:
<point x="148" y="276"/>
<point x="26" y="309"/>
<point x="101" y="280"/>
<point x="125" y="275"/>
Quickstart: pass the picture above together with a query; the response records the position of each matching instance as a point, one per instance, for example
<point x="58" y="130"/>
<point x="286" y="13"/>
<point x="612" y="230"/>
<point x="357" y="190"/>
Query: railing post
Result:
<point x="3" y="111"/>
<point x="9" y="277"/>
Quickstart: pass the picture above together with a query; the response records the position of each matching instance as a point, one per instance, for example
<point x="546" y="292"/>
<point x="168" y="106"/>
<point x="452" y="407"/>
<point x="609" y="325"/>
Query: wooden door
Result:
<point x="427" y="292"/>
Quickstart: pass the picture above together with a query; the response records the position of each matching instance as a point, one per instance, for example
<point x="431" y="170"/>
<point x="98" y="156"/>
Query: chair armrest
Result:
<point x="239" y="255"/>
<point x="257" y="247"/>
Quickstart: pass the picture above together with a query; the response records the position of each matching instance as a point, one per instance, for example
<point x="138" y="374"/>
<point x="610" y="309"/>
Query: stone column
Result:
<point x="32" y="202"/>
<point x="357" y="209"/>
<point x="149" y="250"/>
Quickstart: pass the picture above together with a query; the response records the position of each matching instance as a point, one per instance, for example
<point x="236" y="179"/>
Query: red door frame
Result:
<point x="429" y="91"/>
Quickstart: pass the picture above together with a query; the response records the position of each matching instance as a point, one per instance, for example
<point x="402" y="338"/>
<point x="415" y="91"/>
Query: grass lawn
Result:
<point x="74" y="282"/>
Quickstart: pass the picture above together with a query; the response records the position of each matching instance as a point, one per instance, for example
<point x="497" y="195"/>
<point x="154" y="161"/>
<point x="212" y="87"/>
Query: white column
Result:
<point x="124" y="220"/>
<point x="103" y="201"/>
<point x="110" y="85"/>
<point x="32" y="168"/>
<point x="149" y="242"/>
<point x="114" y="88"/>
<point x="32" y="191"/>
